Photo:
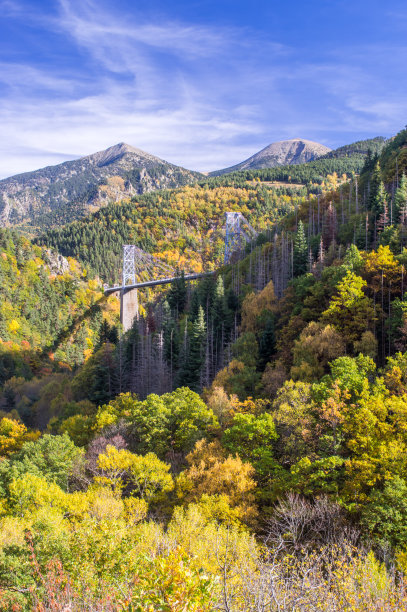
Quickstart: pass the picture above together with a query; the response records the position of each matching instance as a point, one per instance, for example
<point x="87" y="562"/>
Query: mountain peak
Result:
<point x="116" y="152"/>
<point x="282" y="153"/>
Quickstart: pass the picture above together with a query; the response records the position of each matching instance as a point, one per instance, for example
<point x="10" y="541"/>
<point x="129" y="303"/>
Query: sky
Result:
<point x="200" y="83"/>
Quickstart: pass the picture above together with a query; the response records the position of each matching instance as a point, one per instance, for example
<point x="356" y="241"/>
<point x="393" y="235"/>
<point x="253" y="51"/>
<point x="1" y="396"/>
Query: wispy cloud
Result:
<point x="203" y="97"/>
<point x="10" y="8"/>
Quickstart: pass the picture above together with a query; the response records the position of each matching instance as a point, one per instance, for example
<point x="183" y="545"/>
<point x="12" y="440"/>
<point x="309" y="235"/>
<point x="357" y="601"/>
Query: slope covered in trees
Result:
<point x="183" y="227"/>
<point x="282" y="484"/>
<point x="51" y="313"/>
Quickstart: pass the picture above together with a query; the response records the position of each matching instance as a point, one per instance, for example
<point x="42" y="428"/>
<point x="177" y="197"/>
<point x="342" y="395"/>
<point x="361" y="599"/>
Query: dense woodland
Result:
<point x="244" y="446"/>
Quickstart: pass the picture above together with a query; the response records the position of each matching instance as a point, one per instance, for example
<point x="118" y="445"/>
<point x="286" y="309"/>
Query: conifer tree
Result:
<point x="190" y="371"/>
<point x="219" y="305"/>
<point x="370" y="161"/>
<point x="267" y="342"/>
<point x="196" y="353"/>
<point x="177" y="295"/>
<point x="300" y="251"/>
<point x="377" y="194"/>
<point x="400" y="198"/>
<point x="329" y="226"/>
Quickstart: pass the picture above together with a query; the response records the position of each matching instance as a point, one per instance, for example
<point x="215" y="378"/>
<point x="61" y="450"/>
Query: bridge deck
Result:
<point x="153" y="283"/>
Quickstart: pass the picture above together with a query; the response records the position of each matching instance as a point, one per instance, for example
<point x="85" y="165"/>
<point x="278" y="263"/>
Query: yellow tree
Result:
<point x="13" y="435"/>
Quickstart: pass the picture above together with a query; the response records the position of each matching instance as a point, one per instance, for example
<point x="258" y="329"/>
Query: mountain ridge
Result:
<point x="55" y="194"/>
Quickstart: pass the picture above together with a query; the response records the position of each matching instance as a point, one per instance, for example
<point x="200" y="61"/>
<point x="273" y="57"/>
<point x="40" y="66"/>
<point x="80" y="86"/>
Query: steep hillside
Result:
<point x="50" y="310"/>
<point x="282" y="153"/>
<point x="57" y="194"/>
<point x="183" y="227"/>
<point x="361" y="147"/>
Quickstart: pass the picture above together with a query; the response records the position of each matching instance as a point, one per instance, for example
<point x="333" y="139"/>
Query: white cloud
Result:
<point x="202" y="97"/>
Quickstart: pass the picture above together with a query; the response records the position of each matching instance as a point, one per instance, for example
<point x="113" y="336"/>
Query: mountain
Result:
<point x="57" y="194"/>
<point x="282" y="153"/>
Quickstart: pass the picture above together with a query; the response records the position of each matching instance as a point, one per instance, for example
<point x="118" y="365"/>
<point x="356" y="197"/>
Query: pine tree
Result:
<point x="329" y="226"/>
<point x="377" y="194"/>
<point x="218" y="310"/>
<point x="196" y="351"/>
<point x="193" y="354"/>
<point x="267" y="342"/>
<point x="400" y="198"/>
<point x="177" y="295"/>
<point x="370" y="161"/>
<point x="300" y="251"/>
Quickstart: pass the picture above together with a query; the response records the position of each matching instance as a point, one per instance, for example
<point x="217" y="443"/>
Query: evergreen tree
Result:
<point x="300" y="251"/>
<point x="193" y="354"/>
<point x="377" y="193"/>
<point x="267" y="342"/>
<point x="171" y="337"/>
<point x="107" y="333"/>
<point x="196" y="352"/>
<point x="218" y="311"/>
<point x="177" y="295"/>
<point x="400" y="198"/>
<point x="370" y="162"/>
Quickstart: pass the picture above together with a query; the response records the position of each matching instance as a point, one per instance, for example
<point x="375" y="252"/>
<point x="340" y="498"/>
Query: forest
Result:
<point x="244" y="446"/>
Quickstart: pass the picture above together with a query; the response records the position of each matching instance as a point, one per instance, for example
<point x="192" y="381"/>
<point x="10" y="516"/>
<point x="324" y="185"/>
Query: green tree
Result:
<point x="177" y="295"/>
<point x="170" y="422"/>
<point x="385" y="515"/>
<point x="400" y="199"/>
<point x="197" y="350"/>
<point x="376" y="199"/>
<point x="300" y="251"/>
<point x="51" y="457"/>
<point x="252" y="438"/>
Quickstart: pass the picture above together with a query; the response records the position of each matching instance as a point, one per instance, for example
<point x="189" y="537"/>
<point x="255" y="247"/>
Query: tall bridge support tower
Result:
<point x="128" y="297"/>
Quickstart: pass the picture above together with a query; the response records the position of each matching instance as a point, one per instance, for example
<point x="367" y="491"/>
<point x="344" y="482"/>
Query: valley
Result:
<point x="271" y="393"/>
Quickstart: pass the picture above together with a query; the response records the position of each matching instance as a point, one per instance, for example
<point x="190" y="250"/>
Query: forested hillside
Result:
<point x="244" y="446"/>
<point x="51" y="311"/>
<point x="183" y="227"/>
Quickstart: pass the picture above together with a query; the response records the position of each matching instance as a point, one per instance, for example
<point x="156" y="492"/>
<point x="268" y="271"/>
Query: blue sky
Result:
<point x="203" y="84"/>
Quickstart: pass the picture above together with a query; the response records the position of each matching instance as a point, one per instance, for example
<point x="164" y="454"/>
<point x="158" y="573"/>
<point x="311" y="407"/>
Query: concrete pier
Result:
<point x="128" y="308"/>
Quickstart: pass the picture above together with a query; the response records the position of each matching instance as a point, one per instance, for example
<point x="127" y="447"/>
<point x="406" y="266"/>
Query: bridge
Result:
<point x="140" y="269"/>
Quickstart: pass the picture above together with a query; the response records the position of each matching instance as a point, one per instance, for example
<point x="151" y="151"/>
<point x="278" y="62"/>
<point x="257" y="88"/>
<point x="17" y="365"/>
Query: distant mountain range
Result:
<point x="57" y="194"/>
<point x="282" y="153"/>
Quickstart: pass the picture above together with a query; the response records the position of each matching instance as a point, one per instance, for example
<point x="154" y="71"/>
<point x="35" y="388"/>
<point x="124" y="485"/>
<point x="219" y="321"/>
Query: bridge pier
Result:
<point x="128" y="308"/>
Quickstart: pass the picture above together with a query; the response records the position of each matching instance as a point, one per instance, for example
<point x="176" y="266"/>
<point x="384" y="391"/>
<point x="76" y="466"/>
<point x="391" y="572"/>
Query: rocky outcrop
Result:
<point x="56" y="263"/>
